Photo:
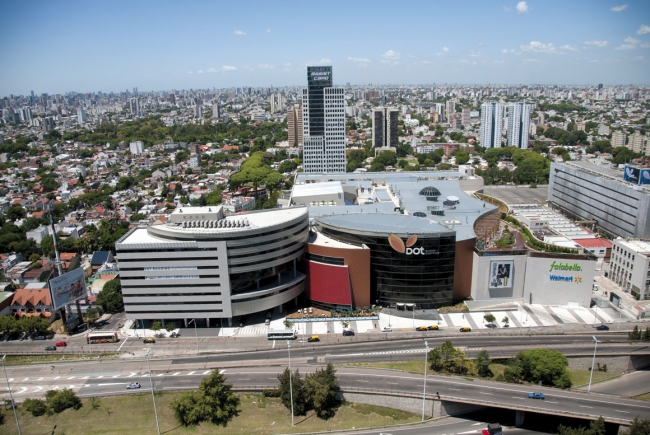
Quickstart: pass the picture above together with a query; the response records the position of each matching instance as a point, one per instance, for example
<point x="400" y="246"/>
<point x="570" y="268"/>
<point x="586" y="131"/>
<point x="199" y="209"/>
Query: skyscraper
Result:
<point x="518" y="124"/>
<point x="323" y="109"/>
<point x="294" y="123"/>
<point x="384" y="127"/>
<point x="81" y="116"/>
<point x="466" y="117"/>
<point x="450" y="107"/>
<point x="491" y="125"/>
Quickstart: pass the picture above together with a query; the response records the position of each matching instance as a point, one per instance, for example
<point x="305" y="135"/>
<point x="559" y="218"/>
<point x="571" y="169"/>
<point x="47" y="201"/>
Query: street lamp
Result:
<point x="290" y="384"/>
<point x="424" y="391"/>
<point x="10" y="395"/>
<point x="195" y="336"/>
<point x="592" y="362"/>
<point x="152" y="395"/>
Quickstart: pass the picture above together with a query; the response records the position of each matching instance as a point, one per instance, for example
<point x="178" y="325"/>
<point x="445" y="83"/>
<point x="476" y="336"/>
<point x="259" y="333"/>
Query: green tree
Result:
<point x="170" y="326"/>
<point x="156" y="325"/>
<point x="300" y="398"/>
<point x="15" y="212"/>
<point x="60" y="400"/>
<point x="110" y="297"/>
<point x="596" y="427"/>
<point x="36" y="407"/>
<point x="447" y="358"/>
<point x="489" y="318"/>
<point x="322" y="386"/>
<point x="543" y="365"/>
<point x="638" y="427"/>
<point x="482" y="363"/>
<point x="505" y="320"/>
<point x="188" y="408"/>
<point x="8" y="323"/>
<point x="32" y="324"/>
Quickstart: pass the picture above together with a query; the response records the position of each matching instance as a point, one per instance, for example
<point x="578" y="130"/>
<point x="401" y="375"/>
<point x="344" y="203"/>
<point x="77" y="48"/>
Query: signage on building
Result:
<point x="407" y="248"/>
<point x="645" y="176"/>
<point x="631" y="174"/>
<point x="501" y="274"/>
<point x="565" y="266"/>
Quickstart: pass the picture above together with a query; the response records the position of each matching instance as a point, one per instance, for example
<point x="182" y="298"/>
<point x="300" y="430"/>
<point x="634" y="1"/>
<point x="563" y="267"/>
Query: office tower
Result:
<point x="518" y="124"/>
<point x="618" y="139"/>
<point x="440" y="110"/>
<point x="466" y="117"/>
<point x="384" y="127"/>
<point x="198" y="111"/>
<point x="450" y="107"/>
<point x="294" y="122"/>
<point x="172" y="98"/>
<point x="323" y="111"/>
<point x="216" y="111"/>
<point x="136" y="147"/>
<point x="134" y="106"/>
<point x="135" y="91"/>
<point x="491" y="125"/>
<point x="600" y="86"/>
<point x="81" y="116"/>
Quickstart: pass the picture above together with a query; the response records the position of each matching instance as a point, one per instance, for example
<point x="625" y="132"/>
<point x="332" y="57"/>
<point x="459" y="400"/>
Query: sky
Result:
<point x="154" y="45"/>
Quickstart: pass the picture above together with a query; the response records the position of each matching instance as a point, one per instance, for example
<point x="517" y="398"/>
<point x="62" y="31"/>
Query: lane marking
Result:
<point x="98" y="377"/>
<point x="191" y="373"/>
<point x="584" y="406"/>
<point x="112" y="383"/>
<point x="38" y="389"/>
<point x="131" y="375"/>
<point x="206" y="372"/>
<point x="359" y="380"/>
<point x="123" y="343"/>
<point x="40" y="379"/>
<point x="221" y="372"/>
<point x="85" y="377"/>
<point x="393" y="383"/>
<point x="26" y="379"/>
<point x="162" y="374"/>
<point x="244" y="379"/>
<point x="481" y="392"/>
<point x="72" y="377"/>
<point x="618" y="410"/>
<point x="57" y="378"/>
<point x="548" y="401"/>
<point x="176" y="374"/>
<point x="116" y="376"/>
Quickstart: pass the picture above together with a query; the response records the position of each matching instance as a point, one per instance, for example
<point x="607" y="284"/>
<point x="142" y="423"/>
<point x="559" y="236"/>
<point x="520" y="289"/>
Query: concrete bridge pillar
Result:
<point x="519" y="419"/>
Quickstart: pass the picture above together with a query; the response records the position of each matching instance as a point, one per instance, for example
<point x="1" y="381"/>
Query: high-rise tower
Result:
<point x="384" y="127"/>
<point x="491" y="125"/>
<point x="294" y="124"/>
<point x="323" y="111"/>
<point x="518" y="124"/>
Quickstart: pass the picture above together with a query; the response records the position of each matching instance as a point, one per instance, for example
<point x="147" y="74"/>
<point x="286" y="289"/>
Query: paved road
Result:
<point x="630" y="385"/>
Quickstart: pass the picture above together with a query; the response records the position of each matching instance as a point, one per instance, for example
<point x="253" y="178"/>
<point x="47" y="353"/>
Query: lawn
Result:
<point x="50" y="358"/>
<point x="581" y="377"/>
<point x="135" y="414"/>
<point x="645" y="396"/>
<point x="416" y="367"/>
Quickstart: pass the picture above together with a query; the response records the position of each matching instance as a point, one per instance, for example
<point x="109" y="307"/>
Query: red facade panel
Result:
<point x="328" y="283"/>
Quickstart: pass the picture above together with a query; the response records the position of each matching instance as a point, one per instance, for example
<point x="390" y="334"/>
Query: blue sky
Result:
<point x="86" y="46"/>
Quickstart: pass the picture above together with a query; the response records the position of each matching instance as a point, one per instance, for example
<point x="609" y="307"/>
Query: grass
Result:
<point x="458" y="308"/>
<point x="645" y="396"/>
<point x="581" y="377"/>
<point x="416" y="367"/>
<point x="259" y="416"/>
<point x="44" y="359"/>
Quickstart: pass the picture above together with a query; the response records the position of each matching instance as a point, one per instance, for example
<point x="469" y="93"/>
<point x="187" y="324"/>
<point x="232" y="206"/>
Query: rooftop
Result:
<point x="372" y="223"/>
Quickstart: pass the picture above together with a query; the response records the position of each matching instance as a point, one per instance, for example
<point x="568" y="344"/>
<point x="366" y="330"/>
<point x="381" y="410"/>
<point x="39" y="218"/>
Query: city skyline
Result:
<point x="90" y="47"/>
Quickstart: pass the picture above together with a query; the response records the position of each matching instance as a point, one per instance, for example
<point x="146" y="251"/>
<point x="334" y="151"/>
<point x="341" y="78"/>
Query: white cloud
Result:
<point x="287" y="64"/>
<point x="390" y="54"/>
<point x="238" y="32"/>
<point x="445" y="49"/>
<point x="265" y="66"/>
<point x="228" y="68"/>
<point x="619" y="8"/>
<point x="189" y="72"/>
<point x="268" y="30"/>
<point x="200" y="71"/>
<point x="358" y="59"/>
<point x="499" y="61"/>
<point x="630" y="40"/>
<point x="505" y="50"/>
<point x="569" y="48"/>
<point x="597" y="43"/>
<point x="639" y="58"/>
<point x="539" y="47"/>
<point x="532" y="61"/>
<point x="630" y="43"/>
<point x="645" y="45"/>
<point x="522" y="7"/>
<point x="475" y="54"/>
<point x="625" y="47"/>
<point x="643" y="30"/>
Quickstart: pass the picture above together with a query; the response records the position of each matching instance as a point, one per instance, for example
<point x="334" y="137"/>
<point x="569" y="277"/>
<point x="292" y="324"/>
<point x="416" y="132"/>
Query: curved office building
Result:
<point x="411" y="258"/>
<point x="206" y="266"/>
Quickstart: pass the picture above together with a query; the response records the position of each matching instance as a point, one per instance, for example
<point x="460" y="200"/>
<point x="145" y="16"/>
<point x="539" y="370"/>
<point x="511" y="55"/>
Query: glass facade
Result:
<point x="424" y="275"/>
<point x="318" y="78"/>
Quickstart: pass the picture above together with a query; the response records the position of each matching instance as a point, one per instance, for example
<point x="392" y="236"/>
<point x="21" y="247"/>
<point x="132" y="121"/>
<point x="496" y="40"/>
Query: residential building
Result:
<point x="294" y="123"/>
<point x="136" y="147"/>
<point x="618" y="139"/>
<point x="323" y="111"/>
<point x="637" y="142"/>
<point x="466" y="117"/>
<point x="384" y="127"/>
<point x="518" y="124"/>
<point x="81" y="116"/>
<point x="491" y="125"/>
<point x="450" y="107"/>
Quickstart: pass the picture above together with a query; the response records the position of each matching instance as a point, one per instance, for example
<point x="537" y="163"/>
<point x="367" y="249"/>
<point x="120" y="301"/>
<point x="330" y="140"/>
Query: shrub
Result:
<point x="271" y="393"/>
<point x="36" y="407"/>
<point x="59" y="401"/>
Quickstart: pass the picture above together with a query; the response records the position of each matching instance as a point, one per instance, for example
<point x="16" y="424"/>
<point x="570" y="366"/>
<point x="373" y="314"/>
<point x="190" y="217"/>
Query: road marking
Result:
<point x="123" y="343"/>
<point x="72" y="377"/>
<point x="26" y="379"/>
<point x="618" y="410"/>
<point x="71" y="386"/>
<point x="176" y="374"/>
<point x="359" y="380"/>
<point x="548" y="401"/>
<point x="85" y="377"/>
<point x="221" y="372"/>
<point x="57" y="377"/>
<point x="393" y="383"/>
<point x="131" y="375"/>
<point x="112" y="383"/>
<point x="191" y="373"/>
<point x="116" y="376"/>
<point x="22" y="390"/>
<point x="162" y="374"/>
<point x="208" y="371"/>
<point x="584" y="406"/>
<point x="38" y="389"/>
<point x="455" y="389"/>
<point x="476" y="424"/>
<point x="99" y="377"/>
<point x="481" y="392"/>
<point x="39" y="379"/>
<point x="244" y="379"/>
<point x="469" y="431"/>
<point x="516" y="397"/>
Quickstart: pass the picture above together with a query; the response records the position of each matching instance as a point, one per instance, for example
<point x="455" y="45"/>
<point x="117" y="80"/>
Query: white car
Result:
<point x="133" y="386"/>
<point x="387" y="329"/>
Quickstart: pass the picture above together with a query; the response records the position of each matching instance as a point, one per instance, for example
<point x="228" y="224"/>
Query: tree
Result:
<point x="638" y="427"/>
<point x="322" y="387"/>
<point x="213" y="402"/>
<point x="300" y="399"/>
<point x="15" y="212"/>
<point x="596" y="427"/>
<point x="446" y="358"/>
<point x="60" y="400"/>
<point x="8" y="323"/>
<point x="32" y="324"/>
<point x="110" y="297"/>
<point x="155" y="326"/>
<point x="36" y="407"/>
<point x="505" y="320"/>
<point x="170" y="326"/>
<point x="482" y="363"/>
<point x="541" y="365"/>
<point x="489" y="318"/>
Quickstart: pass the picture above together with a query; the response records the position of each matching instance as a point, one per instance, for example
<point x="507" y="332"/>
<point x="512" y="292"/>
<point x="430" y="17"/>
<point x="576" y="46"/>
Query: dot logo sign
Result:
<point x="407" y="248"/>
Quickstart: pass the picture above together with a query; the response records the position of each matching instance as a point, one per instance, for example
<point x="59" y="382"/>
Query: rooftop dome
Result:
<point x="420" y="214"/>
<point x="430" y="191"/>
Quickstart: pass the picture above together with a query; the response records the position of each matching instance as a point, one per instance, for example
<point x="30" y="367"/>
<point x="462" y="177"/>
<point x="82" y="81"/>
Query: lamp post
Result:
<point x="152" y="395"/>
<point x="11" y="396"/>
<point x="414" y="307"/>
<point x="592" y="362"/>
<point x="290" y="384"/>
<point x="424" y="390"/>
<point x="195" y="336"/>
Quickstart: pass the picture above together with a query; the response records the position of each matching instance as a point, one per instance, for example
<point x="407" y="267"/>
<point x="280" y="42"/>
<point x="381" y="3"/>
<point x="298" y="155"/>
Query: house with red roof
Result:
<point x="32" y="302"/>
<point x="598" y="246"/>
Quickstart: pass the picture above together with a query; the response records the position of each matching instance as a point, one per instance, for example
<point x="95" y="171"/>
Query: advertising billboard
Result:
<point x="68" y="288"/>
<point x="319" y="76"/>
<point x="631" y="174"/>
<point x="502" y="274"/>
<point x="644" y="178"/>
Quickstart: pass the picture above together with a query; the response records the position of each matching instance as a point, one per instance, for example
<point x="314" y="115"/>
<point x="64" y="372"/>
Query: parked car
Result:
<point x="348" y="332"/>
<point x="506" y="325"/>
<point x="50" y="348"/>
<point x="387" y="329"/>
<point x="536" y="395"/>
<point x="133" y="386"/>
<point x="267" y="322"/>
<point x="433" y="327"/>
<point x="39" y="337"/>
<point x="61" y="344"/>
<point x="421" y="328"/>
<point x="148" y="340"/>
<point x="491" y="326"/>
<point x="603" y="328"/>
<point x="493" y="429"/>
<point x="313" y="339"/>
<point x="465" y="329"/>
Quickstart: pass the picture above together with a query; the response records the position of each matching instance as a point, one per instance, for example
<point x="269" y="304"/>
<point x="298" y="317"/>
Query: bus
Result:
<point x="282" y="334"/>
<point x="101" y="337"/>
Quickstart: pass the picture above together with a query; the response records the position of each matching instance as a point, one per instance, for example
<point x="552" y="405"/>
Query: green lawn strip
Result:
<point x="581" y="377"/>
<point x="15" y="360"/>
<point x="416" y="367"/>
<point x="133" y="413"/>
<point x="645" y="396"/>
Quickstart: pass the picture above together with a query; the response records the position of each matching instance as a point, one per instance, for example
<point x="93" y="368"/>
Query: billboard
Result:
<point x="645" y="176"/>
<point x="631" y="174"/>
<point x="68" y="288"/>
<point x="502" y="274"/>
<point x="319" y="76"/>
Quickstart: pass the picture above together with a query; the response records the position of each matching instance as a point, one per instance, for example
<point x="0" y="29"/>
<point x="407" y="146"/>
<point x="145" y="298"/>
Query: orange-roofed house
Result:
<point x="32" y="302"/>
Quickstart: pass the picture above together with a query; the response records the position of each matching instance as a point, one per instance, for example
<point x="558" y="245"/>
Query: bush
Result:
<point x="59" y="401"/>
<point x="2" y="417"/>
<point x="271" y="393"/>
<point x="36" y="407"/>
